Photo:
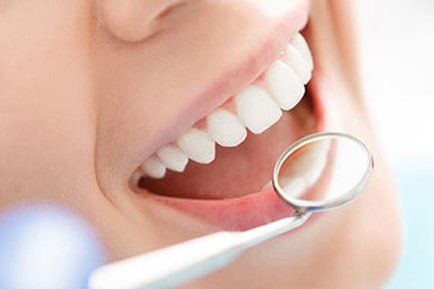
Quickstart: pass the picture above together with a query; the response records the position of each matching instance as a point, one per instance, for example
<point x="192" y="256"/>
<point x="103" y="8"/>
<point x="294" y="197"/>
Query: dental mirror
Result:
<point x="317" y="173"/>
<point x="322" y="171"/>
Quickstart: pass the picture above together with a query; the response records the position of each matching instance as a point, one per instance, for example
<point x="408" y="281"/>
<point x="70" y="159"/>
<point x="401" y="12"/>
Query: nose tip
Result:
<point x="130" y="20"/>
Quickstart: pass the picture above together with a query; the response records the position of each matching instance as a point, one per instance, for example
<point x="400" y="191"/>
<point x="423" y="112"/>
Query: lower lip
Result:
<point x="249" y="211"/>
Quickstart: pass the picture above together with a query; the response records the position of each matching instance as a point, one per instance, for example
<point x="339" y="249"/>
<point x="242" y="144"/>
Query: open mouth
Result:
<point x="220" y="169"/>
<point x="190" y="167"/>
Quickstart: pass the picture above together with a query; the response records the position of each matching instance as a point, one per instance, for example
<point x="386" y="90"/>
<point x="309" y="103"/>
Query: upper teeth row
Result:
<point x="256" y="108"/>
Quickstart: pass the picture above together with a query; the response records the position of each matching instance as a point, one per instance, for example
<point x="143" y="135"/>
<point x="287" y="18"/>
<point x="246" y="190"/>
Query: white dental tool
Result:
<point x="320" y="172"/>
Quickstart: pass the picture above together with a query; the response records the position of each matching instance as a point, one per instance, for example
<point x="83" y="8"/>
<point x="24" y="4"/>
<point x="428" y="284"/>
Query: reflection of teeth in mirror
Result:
<point x="313" y="174"/>
<point x="294" y="187"/>
<point x="310" y="164"/>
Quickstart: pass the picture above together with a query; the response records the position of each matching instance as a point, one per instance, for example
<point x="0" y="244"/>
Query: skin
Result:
<point x="82" y="87"/>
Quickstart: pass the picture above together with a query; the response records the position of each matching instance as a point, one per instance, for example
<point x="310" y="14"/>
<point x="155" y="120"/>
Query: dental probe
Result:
<point x="190" y="260"/>
<point x="176" y="265"/>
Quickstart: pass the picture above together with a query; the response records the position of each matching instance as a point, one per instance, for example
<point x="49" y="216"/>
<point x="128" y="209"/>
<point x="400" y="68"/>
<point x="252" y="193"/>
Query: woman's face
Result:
<point x="101" y="98"/>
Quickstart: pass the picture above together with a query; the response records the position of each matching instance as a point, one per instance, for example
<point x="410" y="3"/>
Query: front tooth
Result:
<point x="301" y="45"/>
<point x="284" y="85"/>
<point x="198" y="146"/>
<point x="173" y="158"/>
<point x="296" y="61"/>
<point x="256" y="109"/>
<point x="154" y="168"/>
<point x="310" y="165"/>
<point x="225" y="128"/>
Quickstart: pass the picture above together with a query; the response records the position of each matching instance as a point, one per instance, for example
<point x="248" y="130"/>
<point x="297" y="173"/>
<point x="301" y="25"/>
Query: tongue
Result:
<point x="236" y="171"/>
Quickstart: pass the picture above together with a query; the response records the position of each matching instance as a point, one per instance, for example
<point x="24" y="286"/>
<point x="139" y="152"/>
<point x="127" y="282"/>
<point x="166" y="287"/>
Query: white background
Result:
<point x="397" y="58"/>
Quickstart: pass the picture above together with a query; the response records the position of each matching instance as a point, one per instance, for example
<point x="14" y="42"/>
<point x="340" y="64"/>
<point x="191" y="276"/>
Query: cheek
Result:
<point x="47" y="127"/>
<point x="378" y="231"/>
<point x="365" y="248"/>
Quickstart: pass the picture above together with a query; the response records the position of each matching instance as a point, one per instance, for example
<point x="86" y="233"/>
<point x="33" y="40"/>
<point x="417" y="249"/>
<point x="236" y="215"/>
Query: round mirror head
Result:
<point x="322" y="171"/>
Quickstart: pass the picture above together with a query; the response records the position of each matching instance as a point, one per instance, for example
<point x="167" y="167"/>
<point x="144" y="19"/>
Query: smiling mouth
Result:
<point x="220" y="169"/>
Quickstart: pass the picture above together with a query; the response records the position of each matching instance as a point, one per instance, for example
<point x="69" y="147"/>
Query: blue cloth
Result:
<point x="43" y="247"/>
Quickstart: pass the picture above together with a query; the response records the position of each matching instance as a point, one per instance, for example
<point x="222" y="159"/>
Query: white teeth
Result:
<point x="296" y="61"/>
<point x="257" y="109"/>
<point x="284" y="85"/>
<point x="306" y="170"/>
<point x="225" y="128"/>
<point x="173" y="158"/>
<point x="198" y="146"/>
<point x="314" y="172"/>
<point x="300" y="43"/>
<point x="312" y="164"/>
<point x="154" y="168"/>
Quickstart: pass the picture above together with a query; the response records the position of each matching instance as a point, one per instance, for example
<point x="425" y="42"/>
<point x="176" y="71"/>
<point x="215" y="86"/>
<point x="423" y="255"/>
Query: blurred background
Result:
<point x="397" y="64"/>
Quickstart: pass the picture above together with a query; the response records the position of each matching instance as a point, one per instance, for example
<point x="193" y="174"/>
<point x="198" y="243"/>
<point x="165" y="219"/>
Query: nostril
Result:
<point x="130" y="20"/>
